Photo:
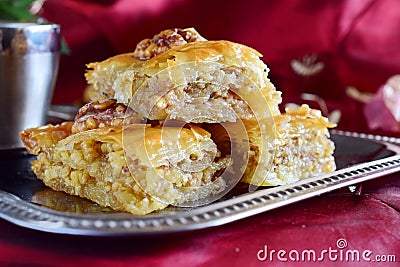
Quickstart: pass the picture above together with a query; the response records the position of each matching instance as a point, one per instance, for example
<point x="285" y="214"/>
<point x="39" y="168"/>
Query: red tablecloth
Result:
<point x="358" y="43"/>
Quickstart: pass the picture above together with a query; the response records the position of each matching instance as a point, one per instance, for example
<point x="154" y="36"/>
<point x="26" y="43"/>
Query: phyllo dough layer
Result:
<point x="134" y="168"/>
<point x="199" y="81"/>
<point x="290" y="147"/>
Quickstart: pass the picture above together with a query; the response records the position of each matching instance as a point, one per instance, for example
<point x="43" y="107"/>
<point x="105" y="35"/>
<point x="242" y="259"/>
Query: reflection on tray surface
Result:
<point x="61" y="201"/>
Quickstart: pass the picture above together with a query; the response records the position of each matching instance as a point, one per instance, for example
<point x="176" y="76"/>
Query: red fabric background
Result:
<point x="359" y="43"/>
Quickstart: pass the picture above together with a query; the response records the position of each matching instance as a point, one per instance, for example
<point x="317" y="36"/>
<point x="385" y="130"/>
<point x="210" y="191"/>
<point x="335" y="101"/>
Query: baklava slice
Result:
<point x="136" y="168"/>
<point x="289" y="147"/>
<point x="196" y="81"/>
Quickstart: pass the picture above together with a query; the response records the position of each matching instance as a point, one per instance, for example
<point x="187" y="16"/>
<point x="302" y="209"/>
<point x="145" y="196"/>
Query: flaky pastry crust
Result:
<point x="290" y="147"/>
<point x="135" y="168"/>
<point x="201" y="81"/>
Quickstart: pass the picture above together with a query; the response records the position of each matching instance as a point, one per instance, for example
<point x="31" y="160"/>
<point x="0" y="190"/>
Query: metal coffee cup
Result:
<point x="29" y="59"/>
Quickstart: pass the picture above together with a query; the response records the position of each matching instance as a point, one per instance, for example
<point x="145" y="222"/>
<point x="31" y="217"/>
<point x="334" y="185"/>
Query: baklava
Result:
<point x="131" y="167"/>
<point x="198" y="81"/>
<point x="179" y="121"/>
<point x="289" y="147"/>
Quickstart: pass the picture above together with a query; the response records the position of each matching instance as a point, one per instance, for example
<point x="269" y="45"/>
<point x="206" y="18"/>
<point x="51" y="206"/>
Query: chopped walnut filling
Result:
<point x="99" y="115"/>
<point x="163" y="41"/>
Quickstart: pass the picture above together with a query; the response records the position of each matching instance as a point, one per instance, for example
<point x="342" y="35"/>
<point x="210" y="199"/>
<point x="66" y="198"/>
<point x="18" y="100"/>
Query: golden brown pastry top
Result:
<point x="42" y="138"/>
<point x="221" y="51"/>
<point x="224" y="52"/>
<point x="148" y="48"/>
<point x="302" y="117"/>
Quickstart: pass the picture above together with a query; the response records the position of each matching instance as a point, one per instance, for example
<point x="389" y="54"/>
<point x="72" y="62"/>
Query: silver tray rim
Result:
<point x="32" y="216"/>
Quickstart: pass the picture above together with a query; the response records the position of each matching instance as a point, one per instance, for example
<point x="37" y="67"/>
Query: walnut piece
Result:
<point x="102" y="114"/>
<point x="163" y="41"/>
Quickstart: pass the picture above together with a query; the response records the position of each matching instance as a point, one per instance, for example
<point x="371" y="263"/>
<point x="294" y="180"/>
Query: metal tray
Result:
<point x="25" y="201"/>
